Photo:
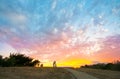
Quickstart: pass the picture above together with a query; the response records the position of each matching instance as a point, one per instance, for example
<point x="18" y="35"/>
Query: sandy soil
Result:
<point x="34" y="73"/>
<point x="101" y="74"/>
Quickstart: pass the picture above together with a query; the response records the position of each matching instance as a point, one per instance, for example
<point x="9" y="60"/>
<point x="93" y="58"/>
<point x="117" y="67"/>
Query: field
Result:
<point x="101" y="74"/>
<point x="34" y="73"/>
<point x="53" y="73"/>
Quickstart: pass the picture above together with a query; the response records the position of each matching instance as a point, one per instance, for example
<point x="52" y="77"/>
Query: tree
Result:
<point x="20" y="60"/>
<point x="35" y="62"/>
<point x="1" y="60"/>
<point x="17" y="60"/>
<point x="108" y="66"/>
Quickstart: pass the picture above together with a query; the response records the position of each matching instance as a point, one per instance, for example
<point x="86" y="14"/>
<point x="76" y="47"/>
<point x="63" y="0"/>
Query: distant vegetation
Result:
<point x="108" y="66"/>
<point x="17" y="60"/>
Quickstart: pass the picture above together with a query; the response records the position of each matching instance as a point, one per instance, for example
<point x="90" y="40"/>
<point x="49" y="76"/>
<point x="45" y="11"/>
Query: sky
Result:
<point x="71" y="32"/>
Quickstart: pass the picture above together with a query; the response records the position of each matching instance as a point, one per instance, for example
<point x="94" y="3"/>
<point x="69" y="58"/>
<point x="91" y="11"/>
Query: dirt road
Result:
<point x="80" y="75"/>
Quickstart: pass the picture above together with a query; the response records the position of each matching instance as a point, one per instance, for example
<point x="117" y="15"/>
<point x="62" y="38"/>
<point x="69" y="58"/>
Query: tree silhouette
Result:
<point x="17" y="60"/>
<point x="108" y="66"/>
<point x="1" y="60"/>
<point x="35" y="62"/>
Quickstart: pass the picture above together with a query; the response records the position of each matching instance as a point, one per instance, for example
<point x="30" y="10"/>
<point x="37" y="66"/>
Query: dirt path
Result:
<point x="80" y="75"/>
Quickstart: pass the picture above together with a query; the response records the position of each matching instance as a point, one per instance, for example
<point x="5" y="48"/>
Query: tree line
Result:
<point x="17" y="60"/>
<point x="108" y="66"/>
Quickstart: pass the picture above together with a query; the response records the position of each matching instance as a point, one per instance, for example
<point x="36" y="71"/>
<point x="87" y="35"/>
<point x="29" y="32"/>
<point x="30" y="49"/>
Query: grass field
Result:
<point x="101" y="74"/>
<point x="34" y="73"/>
<point x="52" y="73"/>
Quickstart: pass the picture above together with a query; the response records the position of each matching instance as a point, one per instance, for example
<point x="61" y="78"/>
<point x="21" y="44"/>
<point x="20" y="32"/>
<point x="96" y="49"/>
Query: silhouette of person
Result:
<point x="54" y="64"/>
<point x="41" y="65"/>
<point x="38" y="65"/>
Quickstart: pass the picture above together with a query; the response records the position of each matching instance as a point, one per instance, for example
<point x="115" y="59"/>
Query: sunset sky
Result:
<point x="72" y="32"/>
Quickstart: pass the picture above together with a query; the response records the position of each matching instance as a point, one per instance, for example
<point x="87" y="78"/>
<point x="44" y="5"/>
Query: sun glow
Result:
<point x="74" y="62"/>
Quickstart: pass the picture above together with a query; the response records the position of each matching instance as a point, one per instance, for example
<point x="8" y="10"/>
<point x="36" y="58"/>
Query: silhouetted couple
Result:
<point x="54" y="64"/>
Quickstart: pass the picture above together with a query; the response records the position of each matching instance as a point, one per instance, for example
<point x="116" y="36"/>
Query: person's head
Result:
<point x="54" y="61"/>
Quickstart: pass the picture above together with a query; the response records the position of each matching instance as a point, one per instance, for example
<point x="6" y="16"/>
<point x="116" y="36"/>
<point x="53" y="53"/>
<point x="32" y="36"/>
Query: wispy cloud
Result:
<point x="17" y="18"/>
<point x="54" y="4"/>
<point x="50" y="30"/>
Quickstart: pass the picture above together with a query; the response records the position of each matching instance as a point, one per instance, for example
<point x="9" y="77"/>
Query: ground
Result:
<point x="56" y="73"/>
<point x="34" y="73"/>
<point x="101" y="74"/>
<point x="80" y="75"/>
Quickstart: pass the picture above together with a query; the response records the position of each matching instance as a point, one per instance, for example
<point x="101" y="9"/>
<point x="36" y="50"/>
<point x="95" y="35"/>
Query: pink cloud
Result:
<point x="110" y="49"/>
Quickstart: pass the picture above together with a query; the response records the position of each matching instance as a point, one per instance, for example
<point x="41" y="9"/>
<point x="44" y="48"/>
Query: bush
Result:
<point x="17" y="60"/>
<point x="108" y="66"/>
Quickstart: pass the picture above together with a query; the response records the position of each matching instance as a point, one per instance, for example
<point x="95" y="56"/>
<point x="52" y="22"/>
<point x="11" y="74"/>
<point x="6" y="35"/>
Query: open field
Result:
<point x="101" y="74"/>
<point x="34" y="73"/>
<point x="53" y="73"/>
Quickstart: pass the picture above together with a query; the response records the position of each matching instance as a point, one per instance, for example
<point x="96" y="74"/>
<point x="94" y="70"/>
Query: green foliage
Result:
<point x="17" y="60"/>
<point x="108" y="66"/>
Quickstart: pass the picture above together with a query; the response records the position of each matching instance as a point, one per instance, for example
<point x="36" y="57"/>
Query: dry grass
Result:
<point x="34" y="73"/>
<point x="102" y="74"/>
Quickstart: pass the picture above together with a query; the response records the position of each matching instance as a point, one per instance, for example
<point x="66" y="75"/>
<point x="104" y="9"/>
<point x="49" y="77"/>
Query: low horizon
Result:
<point x="70" y="32"/>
